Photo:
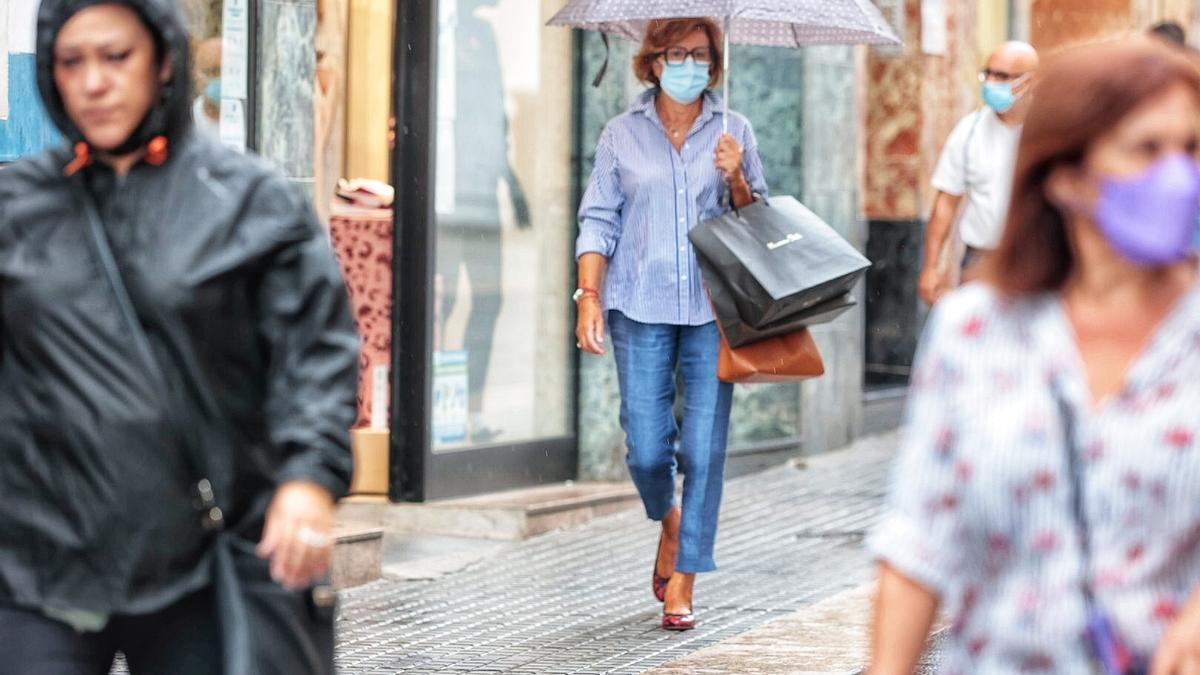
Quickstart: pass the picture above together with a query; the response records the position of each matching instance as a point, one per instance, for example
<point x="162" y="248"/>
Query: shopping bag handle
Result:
<point x="727" y="200"/>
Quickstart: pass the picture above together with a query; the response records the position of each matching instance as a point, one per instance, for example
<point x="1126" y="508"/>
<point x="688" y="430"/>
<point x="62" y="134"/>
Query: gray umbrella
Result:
<point x="775" y="23"/>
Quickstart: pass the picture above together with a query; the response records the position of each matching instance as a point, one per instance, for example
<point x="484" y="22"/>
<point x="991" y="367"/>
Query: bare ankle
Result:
<point x="679" y="592"/>
<point x="670" y="522"/>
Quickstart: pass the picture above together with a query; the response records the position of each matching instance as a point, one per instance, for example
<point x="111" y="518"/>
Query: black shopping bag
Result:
<point x="739" y="334"/>
<point x="776" y="259"/>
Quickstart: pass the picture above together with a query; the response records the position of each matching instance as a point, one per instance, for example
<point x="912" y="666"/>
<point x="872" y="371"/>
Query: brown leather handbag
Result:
<point x="790" y="357"/>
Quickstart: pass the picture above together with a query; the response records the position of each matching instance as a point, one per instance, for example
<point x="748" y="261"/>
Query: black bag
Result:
<point x="739" y="333"/>
<point x="776" y="259"/>
<point x="265" y="629"/>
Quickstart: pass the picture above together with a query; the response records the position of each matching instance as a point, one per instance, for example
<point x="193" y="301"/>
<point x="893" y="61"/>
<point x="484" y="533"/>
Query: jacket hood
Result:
<point x="171" y="117"/>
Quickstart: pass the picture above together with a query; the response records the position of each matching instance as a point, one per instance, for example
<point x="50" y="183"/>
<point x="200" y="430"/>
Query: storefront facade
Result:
<point x="485" y="122"/>
<point x="496" y="128"/>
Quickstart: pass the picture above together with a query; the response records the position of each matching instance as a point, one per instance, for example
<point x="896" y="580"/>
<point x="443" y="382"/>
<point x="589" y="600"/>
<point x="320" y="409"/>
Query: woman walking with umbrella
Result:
<point x="656" y="175"/>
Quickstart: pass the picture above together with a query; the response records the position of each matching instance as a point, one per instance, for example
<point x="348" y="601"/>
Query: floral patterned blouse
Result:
<point x="980" y="507"/>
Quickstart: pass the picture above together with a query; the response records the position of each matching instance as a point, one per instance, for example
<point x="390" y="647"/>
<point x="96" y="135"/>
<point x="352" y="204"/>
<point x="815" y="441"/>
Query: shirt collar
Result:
<point x="644" y="103"/>
<point x="995" y="119"/>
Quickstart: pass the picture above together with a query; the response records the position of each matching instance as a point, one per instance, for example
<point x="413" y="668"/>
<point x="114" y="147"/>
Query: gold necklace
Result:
<point x="675" y="131"/>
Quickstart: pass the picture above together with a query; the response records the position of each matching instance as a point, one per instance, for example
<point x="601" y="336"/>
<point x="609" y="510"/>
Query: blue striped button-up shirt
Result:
<point x="644" y="197"/>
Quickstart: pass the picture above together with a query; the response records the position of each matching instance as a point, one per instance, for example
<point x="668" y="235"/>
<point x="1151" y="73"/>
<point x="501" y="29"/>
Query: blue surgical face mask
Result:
<point x="999" y="96"/>
<point x="212" y="91"/>
<point x="684" y="82"/>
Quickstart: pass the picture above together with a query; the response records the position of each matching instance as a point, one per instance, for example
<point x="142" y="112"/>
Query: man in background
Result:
<point x="973" y="178"/>
<point x="206" y="108"/>
<point x="1170" y="31"/>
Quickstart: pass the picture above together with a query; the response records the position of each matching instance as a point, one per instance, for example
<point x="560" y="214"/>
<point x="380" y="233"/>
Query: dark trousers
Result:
<point x="972" y="255"/>
<point x="182" y="639"/>
<point x="478" y="249"/>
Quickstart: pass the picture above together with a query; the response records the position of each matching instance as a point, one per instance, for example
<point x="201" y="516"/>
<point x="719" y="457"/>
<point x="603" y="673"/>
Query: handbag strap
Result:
<point x="1111" y="654"/>
<point x="1075" y="481"/>
<point x="213" y="518"/>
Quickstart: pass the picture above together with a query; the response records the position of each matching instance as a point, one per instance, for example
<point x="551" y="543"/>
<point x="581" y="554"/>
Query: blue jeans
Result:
<point x="648" y="356"/>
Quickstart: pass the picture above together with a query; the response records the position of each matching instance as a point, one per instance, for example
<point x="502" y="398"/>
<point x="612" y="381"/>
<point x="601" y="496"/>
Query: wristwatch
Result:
<point x="581" y="293"/>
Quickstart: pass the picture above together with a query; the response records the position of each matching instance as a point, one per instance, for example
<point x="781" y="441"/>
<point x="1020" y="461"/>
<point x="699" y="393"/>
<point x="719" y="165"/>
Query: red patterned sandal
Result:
<point x="679" y="621"/>
<point x="658" y="584"/>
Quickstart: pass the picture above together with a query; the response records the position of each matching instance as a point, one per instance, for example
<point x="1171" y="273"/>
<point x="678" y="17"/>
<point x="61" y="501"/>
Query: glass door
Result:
<point x="500" y="366"/>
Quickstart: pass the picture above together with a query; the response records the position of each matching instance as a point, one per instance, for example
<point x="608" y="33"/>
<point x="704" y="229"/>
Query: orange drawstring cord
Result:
<point x="156" y="151"/>
<point x="156" y="155"/>
<point x="83" y="157"/>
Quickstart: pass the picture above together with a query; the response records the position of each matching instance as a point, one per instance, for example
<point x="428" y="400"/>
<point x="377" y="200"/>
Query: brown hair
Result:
<point x="1082" y="95"/>
<point x="663" y="34"/>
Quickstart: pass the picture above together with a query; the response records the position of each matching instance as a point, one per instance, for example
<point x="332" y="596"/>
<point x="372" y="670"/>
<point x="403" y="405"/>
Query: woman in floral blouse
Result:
<point x="1048" y="486"/>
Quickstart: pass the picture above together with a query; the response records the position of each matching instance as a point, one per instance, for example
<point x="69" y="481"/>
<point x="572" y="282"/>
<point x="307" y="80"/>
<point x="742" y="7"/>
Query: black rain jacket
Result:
<point x="235" y="284"/>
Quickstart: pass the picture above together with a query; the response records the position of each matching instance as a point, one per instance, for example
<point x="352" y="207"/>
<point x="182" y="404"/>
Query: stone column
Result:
<point x="831" y="406"/>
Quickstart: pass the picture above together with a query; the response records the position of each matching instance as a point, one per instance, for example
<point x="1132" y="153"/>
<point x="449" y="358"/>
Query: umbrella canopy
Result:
<point x="773" y="23"/>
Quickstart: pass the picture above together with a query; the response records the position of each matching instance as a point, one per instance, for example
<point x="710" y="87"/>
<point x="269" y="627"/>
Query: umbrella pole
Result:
<point x="725" y="80"/>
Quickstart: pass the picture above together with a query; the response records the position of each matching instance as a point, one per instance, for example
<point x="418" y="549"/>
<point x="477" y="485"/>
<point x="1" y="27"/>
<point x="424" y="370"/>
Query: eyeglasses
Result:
<point x="675" y="56"/>
<point x="987" y="74"/>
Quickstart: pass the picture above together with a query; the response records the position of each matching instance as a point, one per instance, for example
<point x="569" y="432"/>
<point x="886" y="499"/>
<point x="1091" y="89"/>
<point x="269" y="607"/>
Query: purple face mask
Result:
<point x="1150" y="218"/>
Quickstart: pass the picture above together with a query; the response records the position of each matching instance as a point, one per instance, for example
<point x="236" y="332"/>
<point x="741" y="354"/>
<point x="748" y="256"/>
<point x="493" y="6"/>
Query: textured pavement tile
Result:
<point x="578" y="601"/>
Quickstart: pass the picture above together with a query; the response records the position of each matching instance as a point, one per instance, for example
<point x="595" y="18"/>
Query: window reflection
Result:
<point x="502" y="370"/>
<point x="206" y="110"/>
<point x="204" y="23"/>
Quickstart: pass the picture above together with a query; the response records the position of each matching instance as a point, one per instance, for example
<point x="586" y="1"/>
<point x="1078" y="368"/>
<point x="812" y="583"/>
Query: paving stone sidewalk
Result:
<point x="578" y="601"/>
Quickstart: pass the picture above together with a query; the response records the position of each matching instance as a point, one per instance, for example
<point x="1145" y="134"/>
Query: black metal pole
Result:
<point x="413" y="90"/>
<point x="252" y="46"/>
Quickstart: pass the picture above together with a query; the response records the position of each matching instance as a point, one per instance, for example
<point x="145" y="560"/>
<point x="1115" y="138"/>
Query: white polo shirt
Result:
<point x="977" y="164"/>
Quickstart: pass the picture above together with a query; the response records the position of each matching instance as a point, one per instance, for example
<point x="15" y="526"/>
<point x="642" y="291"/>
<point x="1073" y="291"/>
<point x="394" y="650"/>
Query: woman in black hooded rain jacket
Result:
<point x="224" y="396"/>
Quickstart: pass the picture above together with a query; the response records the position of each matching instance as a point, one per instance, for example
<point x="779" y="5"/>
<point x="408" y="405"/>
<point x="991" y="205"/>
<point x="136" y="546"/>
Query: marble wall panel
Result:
<point x="949" y="89"/>
<point x="768" y="86"/>
<point x="1056" y="24"/>
<point x="286" y="75"/>
<point x="894" y="119"/>
<point x="601" y="441"/>
<point x="913" y="101"/>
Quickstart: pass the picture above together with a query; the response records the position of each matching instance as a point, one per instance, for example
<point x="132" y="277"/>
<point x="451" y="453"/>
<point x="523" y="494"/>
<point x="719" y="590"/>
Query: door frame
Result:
<point x="416" y="473"/>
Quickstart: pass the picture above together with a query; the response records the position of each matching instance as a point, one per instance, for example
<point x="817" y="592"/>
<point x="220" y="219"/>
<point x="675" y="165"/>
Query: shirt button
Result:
<point x="683" y="278"/>
<point x="680" y="190"/>
<point x="682" y="220"/>
<point x="683" y="248"/>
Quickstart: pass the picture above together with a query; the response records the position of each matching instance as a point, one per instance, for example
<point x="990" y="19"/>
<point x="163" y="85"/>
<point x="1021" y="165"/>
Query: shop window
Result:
<point x="24" y="127"/>
<point x="220" y="44"/>
<point x="503" y="365"/>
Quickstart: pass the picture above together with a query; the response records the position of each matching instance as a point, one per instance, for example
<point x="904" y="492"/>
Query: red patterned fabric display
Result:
<point x="363" y="241"/>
